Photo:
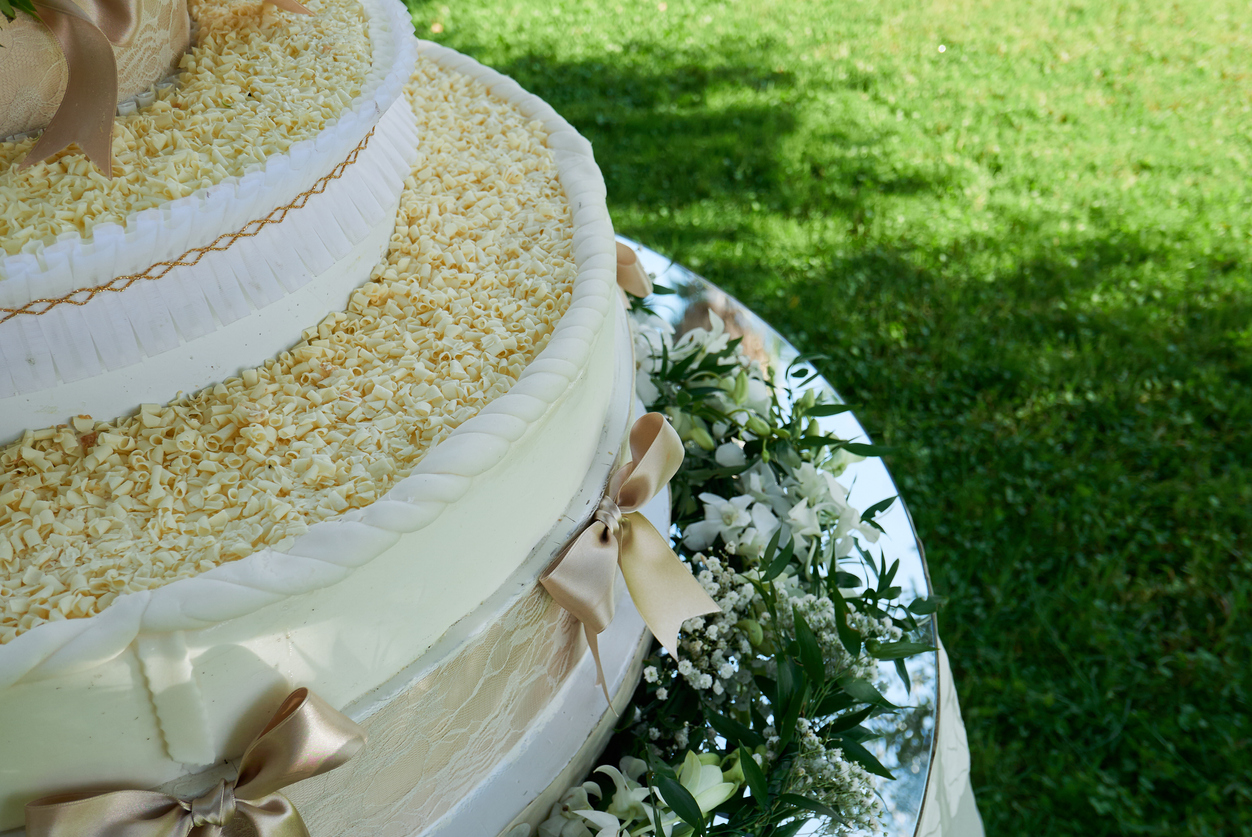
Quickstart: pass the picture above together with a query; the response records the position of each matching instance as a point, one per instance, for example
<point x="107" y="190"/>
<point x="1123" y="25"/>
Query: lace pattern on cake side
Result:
<point x="191" y="257"/>
<point x="472" y="710"/>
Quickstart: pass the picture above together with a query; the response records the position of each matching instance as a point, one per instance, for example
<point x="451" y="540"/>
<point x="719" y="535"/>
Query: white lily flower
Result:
<point x="705" y="783"/>
<point x="755" y="538"/>
<point x="758" y="400"/>
<point x="730" y="455"/>
<point x="804" y="524"/>
<point x="645" y="389"/>
<point x="607" y="823"/>
<point x="761" y="484"/>
<point x="564" y="820"/>
<point x="628" y="797"/>
<point x="706" y="340"/>
<point x="726" y="518"/>
<point x="814" y="484"/>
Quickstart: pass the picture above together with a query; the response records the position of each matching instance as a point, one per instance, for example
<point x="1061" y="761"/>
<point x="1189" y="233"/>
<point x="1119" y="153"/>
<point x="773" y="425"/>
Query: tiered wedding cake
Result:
<point x="307" y="393"/>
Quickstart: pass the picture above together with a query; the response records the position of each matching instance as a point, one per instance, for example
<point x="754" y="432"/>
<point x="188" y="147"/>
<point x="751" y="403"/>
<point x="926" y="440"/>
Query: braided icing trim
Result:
<point x="332" y="549"/>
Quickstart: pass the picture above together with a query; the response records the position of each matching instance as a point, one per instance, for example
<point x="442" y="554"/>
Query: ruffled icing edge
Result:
<point x="330" y="550"/>
<point x="157" y="234"/>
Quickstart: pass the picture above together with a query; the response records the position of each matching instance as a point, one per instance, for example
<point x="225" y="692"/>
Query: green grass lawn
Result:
<point x="1021" y="231"/>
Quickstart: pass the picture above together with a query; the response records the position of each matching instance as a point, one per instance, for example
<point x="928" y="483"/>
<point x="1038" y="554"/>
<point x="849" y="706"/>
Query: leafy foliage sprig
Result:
<point x="10" y="8"/>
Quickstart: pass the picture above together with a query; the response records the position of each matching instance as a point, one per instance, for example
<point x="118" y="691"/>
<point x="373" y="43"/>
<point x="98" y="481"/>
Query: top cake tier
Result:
<point x="230" y="197"/>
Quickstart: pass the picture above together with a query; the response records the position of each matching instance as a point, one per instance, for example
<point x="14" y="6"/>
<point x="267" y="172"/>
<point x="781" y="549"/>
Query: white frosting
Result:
<point x="357" y="598"/>
<point x="199" y="325"/>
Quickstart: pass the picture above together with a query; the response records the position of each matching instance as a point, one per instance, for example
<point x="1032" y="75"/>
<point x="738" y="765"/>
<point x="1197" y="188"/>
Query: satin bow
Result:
<point x="305" y="738"/>
<point x="85" y="115"/>
<point x="583" y="576"/>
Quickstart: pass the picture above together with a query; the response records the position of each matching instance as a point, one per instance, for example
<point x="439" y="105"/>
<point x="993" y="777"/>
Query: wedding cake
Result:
<point x="306" y="387"/>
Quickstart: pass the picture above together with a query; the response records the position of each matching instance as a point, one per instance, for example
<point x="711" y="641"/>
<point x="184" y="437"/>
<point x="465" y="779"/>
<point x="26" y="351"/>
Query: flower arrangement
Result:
<point x="759" y="724"/>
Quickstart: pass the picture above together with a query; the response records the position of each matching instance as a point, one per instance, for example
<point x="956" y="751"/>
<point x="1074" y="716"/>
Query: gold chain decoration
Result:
<point x="193" y="256"/>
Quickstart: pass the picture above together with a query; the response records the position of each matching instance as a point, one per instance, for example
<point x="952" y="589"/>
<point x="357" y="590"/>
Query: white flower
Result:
<point x="645" y="389"/>
<point x="761" y="484"/>
<point x="721" y="517"/>
<point x="752" y="541"/>
<point x="758" y="400"/>
<point x="704" y="340"/>
<point x="730" y="455"/>
<point x="628" y="795"/>
<point x="815" y="484"/>
<point x="804" y="525"/>
<point x="566" y="820"/>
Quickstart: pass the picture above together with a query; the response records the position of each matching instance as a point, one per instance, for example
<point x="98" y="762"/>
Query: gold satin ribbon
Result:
<point x="583" y="577"/>
<point x="85" y="115"/>
<point x="631" y="277"/>
<point x="305" y="738"/>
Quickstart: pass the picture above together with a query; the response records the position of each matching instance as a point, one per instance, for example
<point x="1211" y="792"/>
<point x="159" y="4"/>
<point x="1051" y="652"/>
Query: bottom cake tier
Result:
<point x="484" y="725"/>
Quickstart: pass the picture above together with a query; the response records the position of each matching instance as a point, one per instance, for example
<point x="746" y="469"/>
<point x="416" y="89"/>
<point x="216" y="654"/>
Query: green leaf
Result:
<point x="846" y="579"/>
<point x="810" y="652"/>
<point x="819" y="442"/>
<point x="864" y="692"/>
<point x="682" y="803"/>
<point x="780" y="561"/>
<point x="849" y="721"/>
<point x="772" y="546"/>
<point x="790" y="828"/>
<point x="834" y="702"/>
<point x="878" y="508"/>
<point x="733" y="731"/>
<point x="891" y="573"/>
<point x="661" y="290"/>
<point x="756" y="779"/>
<point x="896" y="650"/>
<point x="806" y="804"/>
<point x="903" y="671"/>
<point x="848" y="635"/>
<point x="922" y="607"/>
<point x="7" y="10"/>
<point x="853" y="750"/>
<point x="789" y="677"/>
<point x="861" y="449"/>
<point x="829" y="409"/>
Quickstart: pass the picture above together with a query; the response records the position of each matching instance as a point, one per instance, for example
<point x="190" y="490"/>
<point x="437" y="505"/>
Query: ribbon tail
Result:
<point x="593" y="643"/>
<point x="85" y="115"/>
<point x="663" y="589"/>
<point x="269" y="816"/>
<point x="134" y="813"/>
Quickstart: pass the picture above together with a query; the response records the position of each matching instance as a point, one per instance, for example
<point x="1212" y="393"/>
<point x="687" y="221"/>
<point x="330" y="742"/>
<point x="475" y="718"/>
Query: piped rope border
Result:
<point x="223" y="242"/>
